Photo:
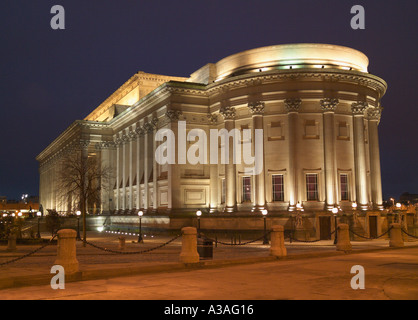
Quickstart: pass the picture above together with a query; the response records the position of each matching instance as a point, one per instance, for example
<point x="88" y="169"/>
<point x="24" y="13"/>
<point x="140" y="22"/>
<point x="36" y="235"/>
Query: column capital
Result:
<point x="212" y="118"/>
<point x="359" y="107"/>
<point x="329" y="104"/>
<point x="292" y="104"/>
<point x="84" y="143"/>
<point x="228" y="112"/>
<point x="256" y="107"/>
<point x="173" y="115"/>
<point x="105" y="145"/>
<point x="374" y="114"/>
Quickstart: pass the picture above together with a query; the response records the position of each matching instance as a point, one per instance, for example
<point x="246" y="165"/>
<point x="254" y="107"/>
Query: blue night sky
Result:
<point x="49" y="78"/>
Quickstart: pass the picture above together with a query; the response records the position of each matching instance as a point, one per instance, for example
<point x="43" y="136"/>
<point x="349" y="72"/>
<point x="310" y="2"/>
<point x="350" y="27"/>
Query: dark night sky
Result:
<point x="49" y="78"/>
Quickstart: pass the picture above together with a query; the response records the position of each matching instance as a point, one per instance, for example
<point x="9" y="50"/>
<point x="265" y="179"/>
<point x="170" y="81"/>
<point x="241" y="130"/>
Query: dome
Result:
<point x="291" y="56"/>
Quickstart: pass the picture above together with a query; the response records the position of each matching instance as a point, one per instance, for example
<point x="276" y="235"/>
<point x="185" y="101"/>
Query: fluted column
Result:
<point x="124" y="165"/>
<point x="292" y="107"/>
<point x="228" y="114"/>
<point x="118" y="144"/>
<point x="173" y="171"/>
<point x="328" y="106"/>
<point x="214" y="172"/>
<point x="358" y="109"/>
<point x="139" y="168"/>
<point x="131" y="174"/>
<point x="257" y="111"/>
<point x="154" y="168"/>
<point x="373" y="116"/>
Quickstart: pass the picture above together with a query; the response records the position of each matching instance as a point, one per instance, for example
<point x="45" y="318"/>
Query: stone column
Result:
<point x="358" y="109"/>
<point x="292" y="107"/>
<point x="228" y="114"/>
<point x="373" y="116"/>
<point x="139" y="169"/>
<point x="328" y="106"/>
<point x="173" y="172"/>
<point x="124" y="171"/>
<point x="117" y="143"/>
<point x="257" y="111"/>
<point x="154" y="167"/>
<point x="277" y="248"/>
<point x="130" y="166"/>
<point x="189" y="252"/>
<point x="105" y="182"/>
<point x="67" y="256"/>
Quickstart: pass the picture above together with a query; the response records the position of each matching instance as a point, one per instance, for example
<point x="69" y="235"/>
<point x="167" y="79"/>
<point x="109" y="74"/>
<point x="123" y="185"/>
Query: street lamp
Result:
<point x="264" y="213"/>
<point x="78" y="213"/>
<point x="354" y="205"/>
<point x="198" y="214"/>
<point x="39" y="219"/>
<point x="398" y="208"/>
<point x="140" y="214"/>
<point x="334" y="212"/>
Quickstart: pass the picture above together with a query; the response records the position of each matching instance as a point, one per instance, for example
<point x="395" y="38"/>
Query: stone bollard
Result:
<point x="11" y="242"/>
<point x="277" y="247"/>
<point x="67" y="256"/>
<point x="395" y="234"/>
<point x="122" y="243"/>
<point x="189" y="252"/>
<point x="343" y="238"/>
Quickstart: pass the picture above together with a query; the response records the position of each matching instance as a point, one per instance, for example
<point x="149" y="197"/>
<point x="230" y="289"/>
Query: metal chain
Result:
<point x="28" y="254"/>
<point x="307" y="241"/>
<point x="131" y="252"/>
<point x="237" y="244"/>
<point x="368" y="237"/>
<point x="409" y="235"/>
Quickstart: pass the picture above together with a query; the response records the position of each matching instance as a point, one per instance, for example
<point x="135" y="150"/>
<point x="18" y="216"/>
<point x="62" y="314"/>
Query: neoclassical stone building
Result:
<point x="317" y="104"/>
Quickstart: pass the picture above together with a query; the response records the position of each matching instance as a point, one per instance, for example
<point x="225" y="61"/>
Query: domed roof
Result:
<point x="287" y="56"/>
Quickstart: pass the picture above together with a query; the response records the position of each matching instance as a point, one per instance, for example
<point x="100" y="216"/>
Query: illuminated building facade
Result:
<point x="319" y="109"/>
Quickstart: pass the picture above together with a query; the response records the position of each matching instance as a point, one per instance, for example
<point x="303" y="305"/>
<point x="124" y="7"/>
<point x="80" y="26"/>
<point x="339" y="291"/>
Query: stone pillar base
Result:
<point x="343" y="243"/>
<point x="278" y="248"/>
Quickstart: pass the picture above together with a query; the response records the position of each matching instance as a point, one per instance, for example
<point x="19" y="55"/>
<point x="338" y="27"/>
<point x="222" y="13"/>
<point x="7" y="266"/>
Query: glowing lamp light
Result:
<point x="19" y="214"/>
<point x="140" y="213"/>
<point x="78" y="212"/>
<point x="39" y="213"/>
<point x="398" y="205"/>
<point x="334" y="210"/>
<point x="198" y="213"/>
<point x="100" y="229"/>
<point x="354" y="205"/>
<point x="264" y="212"/>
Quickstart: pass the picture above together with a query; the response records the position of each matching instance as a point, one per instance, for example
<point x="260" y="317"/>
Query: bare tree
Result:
<point x="81" y="179"/>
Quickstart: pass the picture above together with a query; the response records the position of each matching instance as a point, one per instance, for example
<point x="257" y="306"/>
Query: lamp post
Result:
<point x="398" y="215"/>
<point x="264" y="213"/>
<point x="140" y="214"/>
<point x="198" y="214"/>
<point x="39" y="229"/>
<point x="78" y="213"/>
<point x="334" y="212"/>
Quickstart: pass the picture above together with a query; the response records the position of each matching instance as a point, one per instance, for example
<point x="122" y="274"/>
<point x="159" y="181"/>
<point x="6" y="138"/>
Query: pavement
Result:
<point x="96" y="264"/>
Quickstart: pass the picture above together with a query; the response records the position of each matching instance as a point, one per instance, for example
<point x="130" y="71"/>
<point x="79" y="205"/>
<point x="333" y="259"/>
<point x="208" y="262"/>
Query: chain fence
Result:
<point x="131" y="252"/>
<point x="409" y="235"/>
<point x="202" y="236"/>
<point x="370" y="238"/>
<point x="29" y="253"/>
<point x="293" y="239"/>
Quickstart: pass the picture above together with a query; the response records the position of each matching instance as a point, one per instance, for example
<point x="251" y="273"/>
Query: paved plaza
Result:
<point x="310" y="271"/>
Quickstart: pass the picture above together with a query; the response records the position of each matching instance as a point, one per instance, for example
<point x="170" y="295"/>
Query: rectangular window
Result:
<point x="344" y="186"/>
<point x="246" y="189"/>
<point x="278" y="190"/>
<point x="223" y="191"/>
<point x="312" y="186"/>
